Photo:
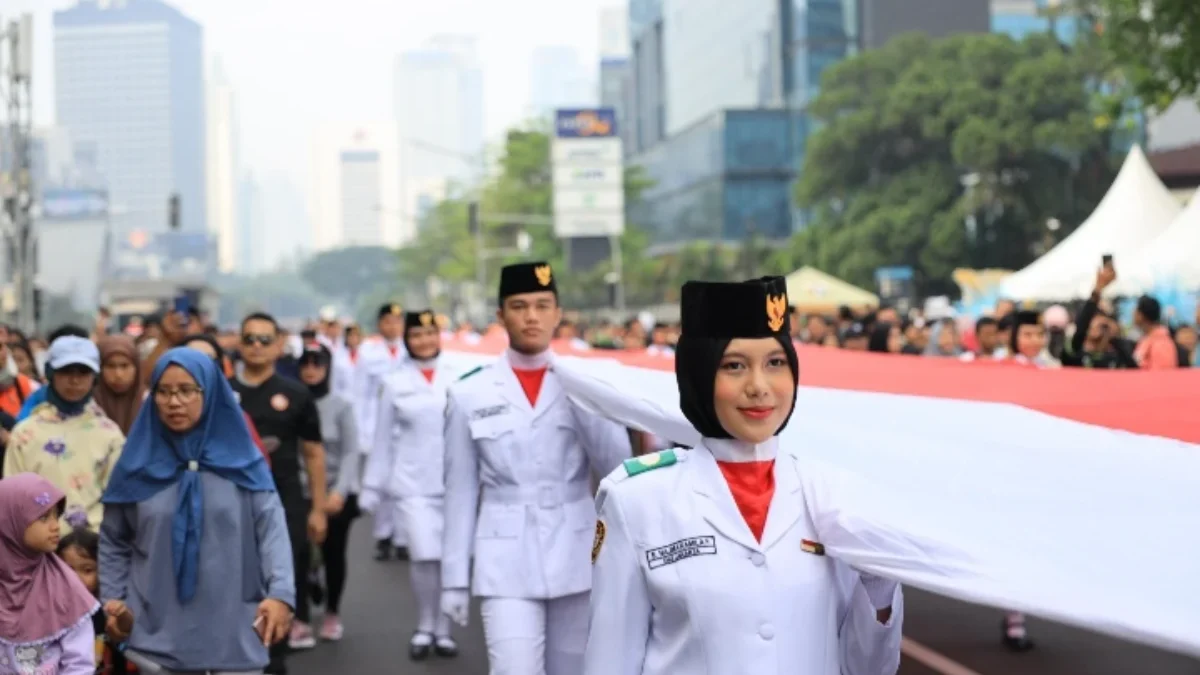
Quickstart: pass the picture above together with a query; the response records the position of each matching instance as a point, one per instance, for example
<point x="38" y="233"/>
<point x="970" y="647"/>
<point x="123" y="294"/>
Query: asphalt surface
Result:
<point x="378" y="610"/>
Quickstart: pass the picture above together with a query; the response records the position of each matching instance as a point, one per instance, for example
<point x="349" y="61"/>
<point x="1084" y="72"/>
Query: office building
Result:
<point x="559" y="79"/>
<point x="223" y="168"/>
<point x="439" y="110"/>
<point x="1022" y="18"/>
<point x="717" y="112"/>
<point x="355" y="187"/>
<point x="129" y="83"/>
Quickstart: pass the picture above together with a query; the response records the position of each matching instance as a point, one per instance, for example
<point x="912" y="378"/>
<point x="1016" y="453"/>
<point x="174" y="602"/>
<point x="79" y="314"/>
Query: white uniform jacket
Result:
<point x="344" y="379"/>
<point x="409" y="455"/>
<point x="375" y="360"/>
<point x="533" y="529"/>
<point x="680" y="585"/>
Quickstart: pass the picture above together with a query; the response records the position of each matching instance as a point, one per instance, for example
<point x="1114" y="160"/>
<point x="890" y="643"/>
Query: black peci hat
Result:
<point x="1022" y="318"/>
<point x="390" y="309"/>
<point x="750" y="309"/>
<point x="422" y="319"/>
<point x="527" y="277"/>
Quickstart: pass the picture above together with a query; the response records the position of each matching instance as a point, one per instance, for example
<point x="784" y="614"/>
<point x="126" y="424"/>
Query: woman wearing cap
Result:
<point x="404" y="472"/>
<point x="68" y="440"/>
<point x="708" y="560"/>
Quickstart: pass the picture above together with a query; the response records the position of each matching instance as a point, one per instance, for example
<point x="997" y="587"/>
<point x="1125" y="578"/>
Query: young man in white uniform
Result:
<point x="404" y="472"/>
<point x="519" y="459"/>
<point x="376" y="359"/>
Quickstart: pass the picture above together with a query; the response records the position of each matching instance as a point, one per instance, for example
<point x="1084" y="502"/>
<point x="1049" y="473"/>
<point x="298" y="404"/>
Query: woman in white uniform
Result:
<point x="707" y="561"/>
<point x="404" y="472"/>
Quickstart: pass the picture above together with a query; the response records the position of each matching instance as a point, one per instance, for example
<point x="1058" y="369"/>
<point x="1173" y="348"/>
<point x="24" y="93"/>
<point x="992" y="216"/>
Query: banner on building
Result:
<point x="588" y="162"/>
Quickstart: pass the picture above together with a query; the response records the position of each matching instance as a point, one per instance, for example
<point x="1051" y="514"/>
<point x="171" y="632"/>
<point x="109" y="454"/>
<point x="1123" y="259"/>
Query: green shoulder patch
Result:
<point x="471" y="372"/>
<point x="654" y="460"/>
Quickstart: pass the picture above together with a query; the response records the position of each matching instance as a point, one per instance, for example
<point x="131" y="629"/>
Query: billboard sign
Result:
<point x="585" y="123"/>
<point x="588" y="167"/>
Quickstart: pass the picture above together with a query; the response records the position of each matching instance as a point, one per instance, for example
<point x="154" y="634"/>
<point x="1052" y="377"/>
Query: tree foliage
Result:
<point x="1156" y="43"/>
<point x="522" y="186"/>
<point x="345" y="273"/>
<point x="905" y="128"/>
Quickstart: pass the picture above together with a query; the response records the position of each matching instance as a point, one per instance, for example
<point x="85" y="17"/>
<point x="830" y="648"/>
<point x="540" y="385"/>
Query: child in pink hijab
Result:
<point x="45" y="610"/>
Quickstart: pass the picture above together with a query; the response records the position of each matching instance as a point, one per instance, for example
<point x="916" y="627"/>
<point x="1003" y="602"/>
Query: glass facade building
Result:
<point x="719" y="101"/>
<point x="129" y="82"/>
<point x="723" y="179"/>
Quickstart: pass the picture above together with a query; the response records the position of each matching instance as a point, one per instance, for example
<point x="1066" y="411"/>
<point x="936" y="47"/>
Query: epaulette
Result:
<point x="471" y="372"/>
<point x="650" y="462"/>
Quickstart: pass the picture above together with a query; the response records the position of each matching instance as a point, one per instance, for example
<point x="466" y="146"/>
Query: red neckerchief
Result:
<point x="752" y="485"/>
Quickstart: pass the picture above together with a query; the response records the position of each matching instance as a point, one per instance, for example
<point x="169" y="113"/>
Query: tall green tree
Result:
<point x="1156" y="43"/>
<point x="948" y="153"/>
<point x="522" y="186"/>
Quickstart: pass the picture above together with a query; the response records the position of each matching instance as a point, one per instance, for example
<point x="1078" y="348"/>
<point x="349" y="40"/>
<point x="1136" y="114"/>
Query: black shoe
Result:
<point x="401" y="553"/>
<point x="275" y="667"/>
<point x="419" y="652"/>
<point x="383" y="550"/>
<point x="445" y="647"/>
<point x="1015" y="640"/>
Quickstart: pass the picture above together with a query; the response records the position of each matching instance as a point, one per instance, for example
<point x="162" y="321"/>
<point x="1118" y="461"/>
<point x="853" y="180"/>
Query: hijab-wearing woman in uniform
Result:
<point x="194" y="542"/>
<point x="707" y="560"/>
<point x="405" y="472"/>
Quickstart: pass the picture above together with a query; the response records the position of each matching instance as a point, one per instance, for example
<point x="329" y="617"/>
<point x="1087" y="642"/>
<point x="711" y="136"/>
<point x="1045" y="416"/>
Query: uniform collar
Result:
<point x="521" y="361"/>
<point x="733" y="450"/>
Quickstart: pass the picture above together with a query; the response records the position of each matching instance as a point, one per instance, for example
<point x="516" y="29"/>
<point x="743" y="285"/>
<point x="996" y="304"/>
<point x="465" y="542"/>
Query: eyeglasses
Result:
<point x="185" y="394"/>
<point x="261" y="340"/>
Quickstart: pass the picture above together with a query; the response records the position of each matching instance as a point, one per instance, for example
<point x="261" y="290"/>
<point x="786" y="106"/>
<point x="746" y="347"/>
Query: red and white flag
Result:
<point x="1069" y="494"/>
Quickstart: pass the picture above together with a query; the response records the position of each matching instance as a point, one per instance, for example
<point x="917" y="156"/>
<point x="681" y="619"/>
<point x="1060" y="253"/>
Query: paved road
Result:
<point x="378" y="605"/>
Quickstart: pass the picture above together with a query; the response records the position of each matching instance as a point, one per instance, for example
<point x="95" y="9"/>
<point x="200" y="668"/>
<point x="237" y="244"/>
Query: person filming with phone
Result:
<point x="1097" y="341"/>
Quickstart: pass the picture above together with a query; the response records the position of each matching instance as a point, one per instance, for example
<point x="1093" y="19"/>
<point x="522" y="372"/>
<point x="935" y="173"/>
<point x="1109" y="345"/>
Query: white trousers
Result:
<point x="535" y="637"/>
<point x="387" y="525"/>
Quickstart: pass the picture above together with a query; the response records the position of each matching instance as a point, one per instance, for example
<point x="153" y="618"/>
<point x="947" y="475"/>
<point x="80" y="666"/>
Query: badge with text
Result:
<point x="493" y="411"/>
<point x="279" y="402"/>
<point x="681" y="550"/>
<point x="809" y="546"/>
<point x="601" y="530"/>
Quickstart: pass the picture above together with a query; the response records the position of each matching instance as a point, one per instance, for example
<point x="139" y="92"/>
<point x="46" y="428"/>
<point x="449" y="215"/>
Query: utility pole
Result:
<point x="16" y="67"/>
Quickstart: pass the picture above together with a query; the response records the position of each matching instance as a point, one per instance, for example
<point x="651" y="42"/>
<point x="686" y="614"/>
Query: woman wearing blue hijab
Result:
<point x="194" y="543"/>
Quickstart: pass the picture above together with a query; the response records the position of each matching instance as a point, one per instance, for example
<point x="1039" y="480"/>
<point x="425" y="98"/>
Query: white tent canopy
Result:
<point x="1172" y="258"/>
<point x="1136" y="210"/>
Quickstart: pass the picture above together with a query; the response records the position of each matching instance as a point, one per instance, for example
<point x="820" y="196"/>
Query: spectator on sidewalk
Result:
<point x="1156" y="350"/>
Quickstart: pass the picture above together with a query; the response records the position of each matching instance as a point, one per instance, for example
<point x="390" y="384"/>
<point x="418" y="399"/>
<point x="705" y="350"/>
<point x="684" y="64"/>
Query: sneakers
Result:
<point x="331" y="628"/>
<point x="301" y="636"/>
<point x="1013" y="635"/>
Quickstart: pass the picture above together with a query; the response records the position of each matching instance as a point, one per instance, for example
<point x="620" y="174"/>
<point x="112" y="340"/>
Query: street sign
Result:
<point x="588" y="171"/>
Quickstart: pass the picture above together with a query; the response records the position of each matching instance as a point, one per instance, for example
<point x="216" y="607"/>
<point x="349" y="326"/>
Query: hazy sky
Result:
<point x="297" y="63"/>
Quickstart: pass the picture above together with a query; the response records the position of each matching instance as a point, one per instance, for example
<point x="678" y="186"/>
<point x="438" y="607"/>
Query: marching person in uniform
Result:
<point x="404" y="472"/>
<point x="708" y="560"/>
<point x="376" y="359"/>
<point x="518" y="455"/>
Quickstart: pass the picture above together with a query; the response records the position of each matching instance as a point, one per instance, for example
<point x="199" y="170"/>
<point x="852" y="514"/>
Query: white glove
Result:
<point x="456" y="603"/>
<point x="368" y="500"/>
<point x="880" y="591"/>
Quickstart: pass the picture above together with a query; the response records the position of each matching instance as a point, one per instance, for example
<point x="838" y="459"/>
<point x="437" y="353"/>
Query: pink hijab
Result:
<point x="40" y="596"/>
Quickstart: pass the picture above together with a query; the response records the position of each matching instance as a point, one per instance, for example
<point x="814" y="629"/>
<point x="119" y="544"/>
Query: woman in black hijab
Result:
<point x="694" y="545"/>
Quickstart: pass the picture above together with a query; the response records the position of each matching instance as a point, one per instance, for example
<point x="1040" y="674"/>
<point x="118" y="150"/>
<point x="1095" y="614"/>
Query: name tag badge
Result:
<point x="489" y="412"/>
<point x="681" y="550"/>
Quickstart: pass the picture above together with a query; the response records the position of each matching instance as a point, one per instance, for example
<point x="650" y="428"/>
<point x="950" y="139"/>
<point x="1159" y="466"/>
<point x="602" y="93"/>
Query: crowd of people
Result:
<point x="192" y="482"/>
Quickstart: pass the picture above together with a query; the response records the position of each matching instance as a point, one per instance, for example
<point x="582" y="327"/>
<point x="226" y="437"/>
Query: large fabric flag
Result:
<point x="1076" y="499"/>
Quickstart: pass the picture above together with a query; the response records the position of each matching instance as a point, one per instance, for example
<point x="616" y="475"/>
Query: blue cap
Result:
<point x="70" y="350"/>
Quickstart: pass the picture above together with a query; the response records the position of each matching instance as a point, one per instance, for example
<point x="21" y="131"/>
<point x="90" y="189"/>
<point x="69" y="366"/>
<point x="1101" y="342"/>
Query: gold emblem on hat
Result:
<point x="542" y="272"/>
<point x="776" y="311"/>
<point x="395" y="309"/>
<point x="426" y="319"/>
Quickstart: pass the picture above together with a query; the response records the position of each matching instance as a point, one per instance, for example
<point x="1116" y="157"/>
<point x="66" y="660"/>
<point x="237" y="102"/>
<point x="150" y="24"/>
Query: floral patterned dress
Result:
<point x="76" y="453"/>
